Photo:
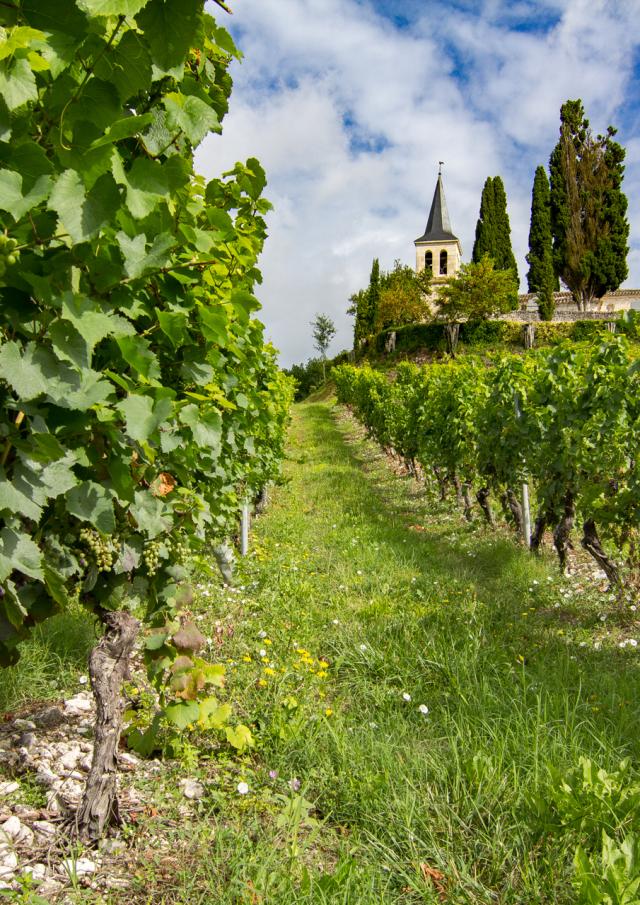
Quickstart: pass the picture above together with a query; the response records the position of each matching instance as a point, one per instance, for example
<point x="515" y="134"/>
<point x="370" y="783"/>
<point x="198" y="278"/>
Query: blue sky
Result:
<point x="349" y="104"/>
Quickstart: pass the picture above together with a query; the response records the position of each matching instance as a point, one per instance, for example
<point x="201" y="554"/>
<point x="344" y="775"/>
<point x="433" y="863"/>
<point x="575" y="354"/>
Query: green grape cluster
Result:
<point x="100" y="548"/>
<point x="178" y="547"/>
<point x="8" y="253"/>
<point x="152" y="556"/>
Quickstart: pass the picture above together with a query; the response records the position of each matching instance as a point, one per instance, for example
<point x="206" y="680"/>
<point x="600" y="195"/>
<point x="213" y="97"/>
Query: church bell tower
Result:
<point x="438" y="249"/>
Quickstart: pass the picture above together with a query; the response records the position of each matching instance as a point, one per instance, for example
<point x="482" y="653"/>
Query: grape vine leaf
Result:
<point x="240" y="737"/>
<point x="12" y="198"/>
<point x="83" y="213"/>
<point x="142" y="417"/>
<point x="126" y="127"/>
<point x="12" y="499"/>
<point x="205" y="428"/>
<point x="18" y="551"/>
<point x="111" y="7"/>
<point x="150" y="514"/>
<point x="183" y="714"/>
<point x="191" y="115"/>
<point x="90" y="502"/>
<point x="127" y="67"/>
<point x="17" y="83"/>
<point x="23" y="372"/>
<point x="170" y="27"/>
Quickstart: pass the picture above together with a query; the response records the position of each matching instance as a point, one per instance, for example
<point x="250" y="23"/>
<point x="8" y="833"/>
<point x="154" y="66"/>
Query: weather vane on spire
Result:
<point x="440" y="165"/>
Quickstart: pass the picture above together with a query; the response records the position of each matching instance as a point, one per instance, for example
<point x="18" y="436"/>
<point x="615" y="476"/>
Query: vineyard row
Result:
<point x="567" y="421"/>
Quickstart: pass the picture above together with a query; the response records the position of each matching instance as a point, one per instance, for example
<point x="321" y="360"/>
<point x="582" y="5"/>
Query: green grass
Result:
<point x="518" y="670"/>
<point x="50" y="662"/>
<point x="446" y="615"/>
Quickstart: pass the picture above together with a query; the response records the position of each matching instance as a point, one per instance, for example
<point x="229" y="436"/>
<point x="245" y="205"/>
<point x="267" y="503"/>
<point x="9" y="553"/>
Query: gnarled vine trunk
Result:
<point x="442" y="482"/>
<point x="108" y="668"/>
<point x="591" y="543"/>
<point x="562" y="534"/>
<point x="537" y="534"/>
<point x="455" y="480"/>
<point x="482" y="497"/>
<point x="515" y="509"/>
<point x="468" y="502"/>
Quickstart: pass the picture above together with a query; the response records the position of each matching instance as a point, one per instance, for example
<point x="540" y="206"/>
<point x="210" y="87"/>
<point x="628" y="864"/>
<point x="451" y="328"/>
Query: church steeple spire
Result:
<point x="438" y="224"/>
<point x="438" y="249"/>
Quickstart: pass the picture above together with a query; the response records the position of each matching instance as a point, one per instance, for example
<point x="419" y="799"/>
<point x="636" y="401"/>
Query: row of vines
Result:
<point x="141" y="405"/>
<point x="567" y="421"/>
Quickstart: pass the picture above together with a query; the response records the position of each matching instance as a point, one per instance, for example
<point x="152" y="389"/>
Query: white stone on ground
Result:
<point x="191" y="788"/>
<point x="81" y="867"/>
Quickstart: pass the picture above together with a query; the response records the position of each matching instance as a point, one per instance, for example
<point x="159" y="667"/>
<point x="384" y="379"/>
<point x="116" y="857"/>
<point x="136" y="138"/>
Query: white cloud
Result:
<point x="349" y="116"/>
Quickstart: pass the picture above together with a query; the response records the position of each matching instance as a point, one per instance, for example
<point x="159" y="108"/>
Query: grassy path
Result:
<point x="363" y="604"/>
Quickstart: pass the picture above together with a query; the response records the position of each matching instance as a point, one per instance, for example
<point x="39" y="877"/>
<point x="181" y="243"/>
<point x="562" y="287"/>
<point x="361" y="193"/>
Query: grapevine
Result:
<point x="566" y="420"/>
<point x="140" y="401"/>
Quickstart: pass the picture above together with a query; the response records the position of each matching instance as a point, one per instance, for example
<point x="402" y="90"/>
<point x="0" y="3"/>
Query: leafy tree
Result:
<point x="541" y="277"/>
<point x="358" y="309"/>
<point x="307" y="376"/>
<point x="323" y="332"/>
<point x="373" y="297"/>
<point x="404" y="297"/>
<point x="139" y="401"/>
<point x="588" y="208"/>
<point x="479" y="290"/>
<point x="493" y="231"/>
<point x="364" y="306"/>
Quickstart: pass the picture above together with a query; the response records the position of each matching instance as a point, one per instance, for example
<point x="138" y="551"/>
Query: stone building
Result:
<point x="438" y="248"/>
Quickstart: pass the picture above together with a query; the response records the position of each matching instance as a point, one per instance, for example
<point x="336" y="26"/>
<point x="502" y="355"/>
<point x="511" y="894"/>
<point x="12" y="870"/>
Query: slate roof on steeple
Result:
<point x="438" y="224"/>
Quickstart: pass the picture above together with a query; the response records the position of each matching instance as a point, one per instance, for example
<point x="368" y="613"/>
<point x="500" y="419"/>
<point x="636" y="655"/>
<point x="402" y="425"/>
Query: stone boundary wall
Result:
<point x="611" y="306"/>
<point x="533" y="317"/>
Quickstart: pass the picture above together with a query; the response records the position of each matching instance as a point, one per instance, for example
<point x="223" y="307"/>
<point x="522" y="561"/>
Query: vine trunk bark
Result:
<point x="562" y="534"/>
<point x="591" y="543"/>
<point x="455" y="480"/>
<point x="537" y="534"/>
<point x="515" y="508"/>
<point x="108" y="668"/>
<point x="482" y="497"/>
<point x="442" y="482"/>
<point x="468" y="502"/>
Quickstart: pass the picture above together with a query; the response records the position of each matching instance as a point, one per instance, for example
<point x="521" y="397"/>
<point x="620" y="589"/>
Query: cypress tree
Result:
<point x="485" y="240"/>
<point x="505" y="258"/>
<point x="588" y="208"/>
<point x="541" y="278"/>
<point x="373" y="296"/>
<point x="364" y="306"/>
<point x="493" y="231"/>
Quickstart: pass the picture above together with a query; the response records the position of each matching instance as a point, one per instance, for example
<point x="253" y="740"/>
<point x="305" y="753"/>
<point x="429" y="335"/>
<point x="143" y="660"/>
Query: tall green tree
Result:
<point x="364" y="305"/>
<point x="373" y="299"/>
<point x="485" y="227"/>
<point x="541" y="277"/>
<point x="588" y="208"/>
<point x="323" y="332"/>
<point x="493" y="230"/>
<point x="479" y="290"/>
<point x="404" y="297"/>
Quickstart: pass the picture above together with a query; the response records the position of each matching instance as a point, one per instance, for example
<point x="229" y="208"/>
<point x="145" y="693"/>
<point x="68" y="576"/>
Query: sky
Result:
<point x="350" y="104"/>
